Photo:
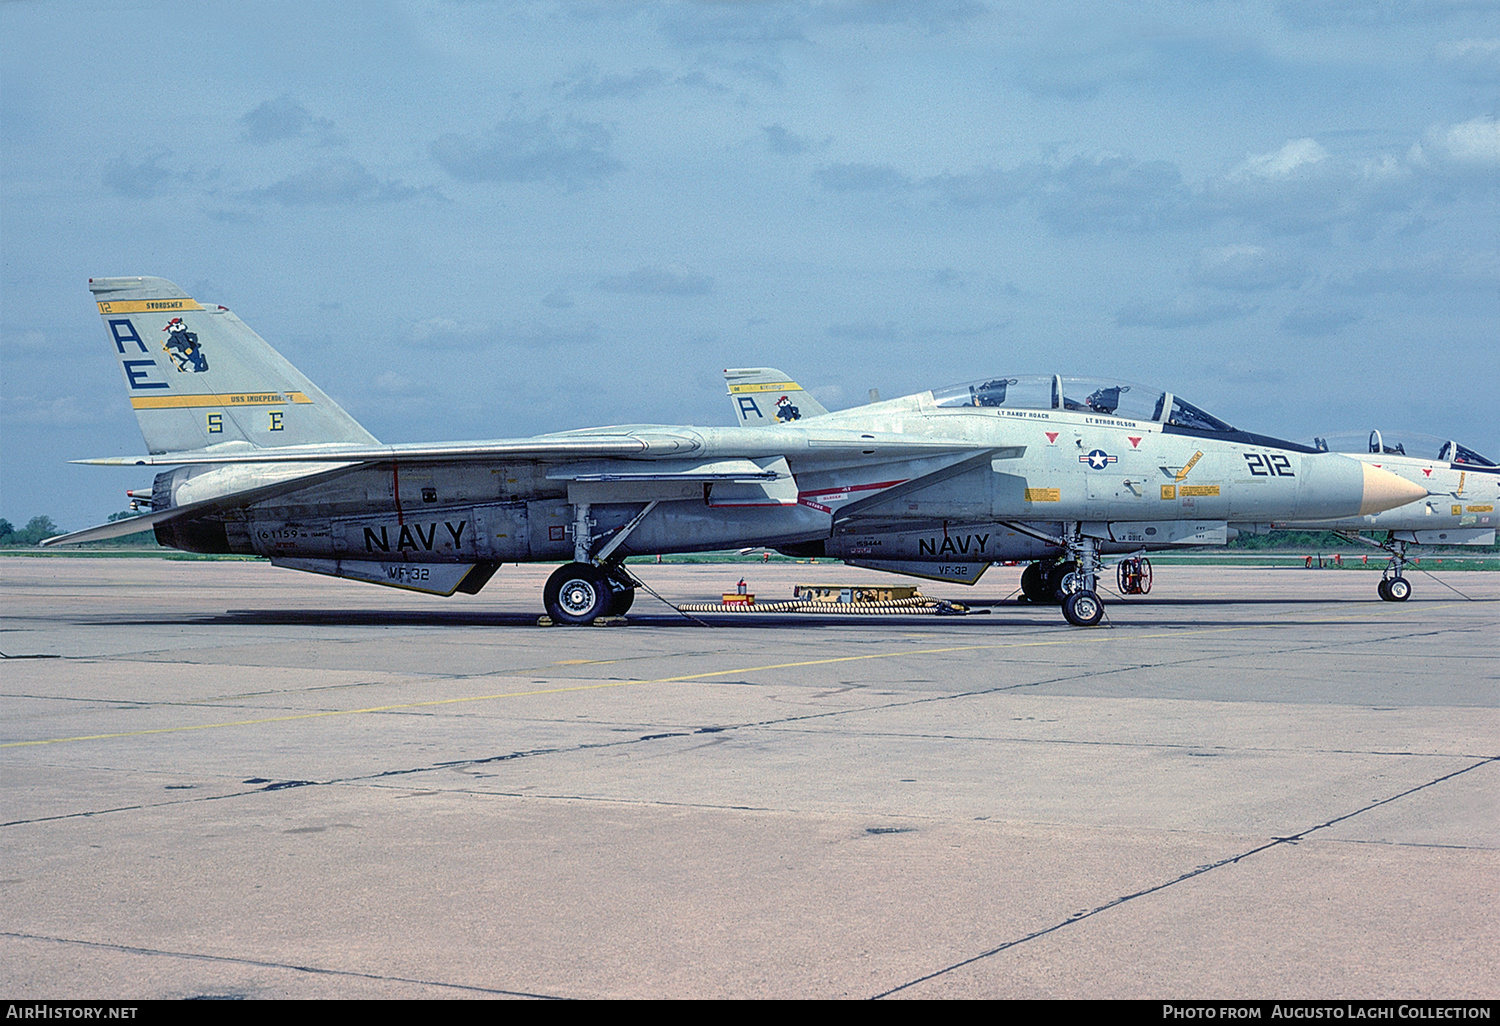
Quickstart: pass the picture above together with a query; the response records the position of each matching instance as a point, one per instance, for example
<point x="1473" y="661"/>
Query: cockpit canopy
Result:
<point x="1402" y="443"/>
<point x="1106" y="397"/>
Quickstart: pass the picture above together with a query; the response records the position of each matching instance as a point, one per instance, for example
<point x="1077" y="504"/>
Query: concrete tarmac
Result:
<point x="224" y="779"/>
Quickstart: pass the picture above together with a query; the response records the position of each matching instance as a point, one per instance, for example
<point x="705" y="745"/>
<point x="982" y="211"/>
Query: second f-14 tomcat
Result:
<point x="263" y="462"/>
<point x="1463" y="489"/>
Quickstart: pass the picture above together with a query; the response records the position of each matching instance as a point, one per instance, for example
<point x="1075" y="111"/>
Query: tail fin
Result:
<point x="764" y="395"/>
<point x="198" y="376"/>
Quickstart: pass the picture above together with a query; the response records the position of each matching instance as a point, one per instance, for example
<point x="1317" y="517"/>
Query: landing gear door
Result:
<point x="502" y="532"/>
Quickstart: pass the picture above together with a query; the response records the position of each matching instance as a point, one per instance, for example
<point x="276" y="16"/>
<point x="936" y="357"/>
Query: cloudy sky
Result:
<point x="479" y="220"/>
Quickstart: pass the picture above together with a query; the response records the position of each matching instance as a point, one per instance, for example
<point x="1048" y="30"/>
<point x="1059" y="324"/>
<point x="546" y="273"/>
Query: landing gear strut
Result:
<point x="1079" y="586"/>
<point x="594" y="584"/>
<point x="1394" y="587"/>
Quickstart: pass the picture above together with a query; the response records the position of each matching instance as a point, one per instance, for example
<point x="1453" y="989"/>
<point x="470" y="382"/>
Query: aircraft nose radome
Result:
<point x="1384" y="490"/>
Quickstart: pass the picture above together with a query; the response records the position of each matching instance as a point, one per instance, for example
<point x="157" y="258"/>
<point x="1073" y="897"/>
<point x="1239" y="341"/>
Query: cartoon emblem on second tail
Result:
<point x="786" y="412"/>
<point x="182" y="346"/>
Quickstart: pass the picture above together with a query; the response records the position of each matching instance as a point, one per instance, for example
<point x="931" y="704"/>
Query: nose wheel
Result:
<point x="1076" y="580"/>
<point x="1394" y="589"/>
<point x="1083" y="609"/>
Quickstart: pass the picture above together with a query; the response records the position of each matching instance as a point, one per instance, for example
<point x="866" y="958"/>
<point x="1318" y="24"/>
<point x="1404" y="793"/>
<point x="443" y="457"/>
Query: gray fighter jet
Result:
<point x="1462" y="487"/>
<point x="263" y="462"/>
<point x="1187" y="494"/>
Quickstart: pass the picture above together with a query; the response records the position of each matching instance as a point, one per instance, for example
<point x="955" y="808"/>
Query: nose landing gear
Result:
<point x="1083" y="609"/>
<point x="1078" y="587"/>
<point x="1393" y="586"/>
<point x="1072" y="582"/>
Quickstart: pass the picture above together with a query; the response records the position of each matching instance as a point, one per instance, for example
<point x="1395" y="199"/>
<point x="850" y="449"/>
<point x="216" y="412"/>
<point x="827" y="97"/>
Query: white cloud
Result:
<point x="58" y="411"/>
<point x="1313" y="321"/>
<point x="1469" y="52"/>
<point x="285" y="118"/>
<point x="447" y="333"/>
<point x="861" y="178"/>
<point x="392" y="383"/>
<point x="143" y="178"/>
<point x="1474" y="143"/>
<point x="1296" y="156"/>
<point x="1425" y="275"/>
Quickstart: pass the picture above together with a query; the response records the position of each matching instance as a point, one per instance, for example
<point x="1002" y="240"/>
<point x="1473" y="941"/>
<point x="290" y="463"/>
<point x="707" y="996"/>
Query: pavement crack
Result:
<point x="1275" y="842"/>
<point x="199" y="956"/>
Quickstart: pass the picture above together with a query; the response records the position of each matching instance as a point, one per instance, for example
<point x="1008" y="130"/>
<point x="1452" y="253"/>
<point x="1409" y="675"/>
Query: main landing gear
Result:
<point x="593" y="585"/>
<point x="1073" y="582"/>
<point x="1042" y="583"/>
<point x="580" y="593"/>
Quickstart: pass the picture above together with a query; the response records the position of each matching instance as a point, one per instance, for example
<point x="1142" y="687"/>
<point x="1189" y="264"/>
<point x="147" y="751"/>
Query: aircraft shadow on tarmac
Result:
<point x="985" y="615"/>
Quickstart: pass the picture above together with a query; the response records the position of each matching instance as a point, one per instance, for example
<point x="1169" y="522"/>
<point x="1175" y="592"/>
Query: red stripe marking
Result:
<point x="846" y="489"/>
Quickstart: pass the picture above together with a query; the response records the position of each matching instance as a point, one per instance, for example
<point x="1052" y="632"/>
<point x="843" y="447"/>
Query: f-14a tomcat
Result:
<point x="264" y="462"/>
<point x="1463" y="489"/>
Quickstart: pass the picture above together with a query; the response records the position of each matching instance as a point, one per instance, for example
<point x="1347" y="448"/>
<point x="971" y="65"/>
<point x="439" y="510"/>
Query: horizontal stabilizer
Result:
<point x="113" y="529"/>
<point x="134" y="525"/>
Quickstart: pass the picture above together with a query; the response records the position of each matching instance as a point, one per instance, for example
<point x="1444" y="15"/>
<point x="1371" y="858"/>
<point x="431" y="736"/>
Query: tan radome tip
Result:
<point x="1384" y="490"/>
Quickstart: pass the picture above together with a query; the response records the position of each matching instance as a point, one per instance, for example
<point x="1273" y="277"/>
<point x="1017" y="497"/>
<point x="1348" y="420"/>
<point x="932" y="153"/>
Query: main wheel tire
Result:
<point x="577" y="593"/>
<point x="1034" y="584"/>
<point x="1398" y="589"/>
<point x="1055" y="578"/>
<point x="1384" y="591"/>
<point x="620" y="598"/>
<point x="1083" y="609"/>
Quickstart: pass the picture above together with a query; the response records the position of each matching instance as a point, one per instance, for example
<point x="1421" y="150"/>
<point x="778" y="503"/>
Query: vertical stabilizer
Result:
<point x="198" y="376"/>
<point x="765" y="396"/>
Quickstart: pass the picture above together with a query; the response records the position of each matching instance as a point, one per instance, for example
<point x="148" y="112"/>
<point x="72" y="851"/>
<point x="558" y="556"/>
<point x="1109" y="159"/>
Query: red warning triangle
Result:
<point x="1134" y="442"/>
<point x="1051" y="435"/>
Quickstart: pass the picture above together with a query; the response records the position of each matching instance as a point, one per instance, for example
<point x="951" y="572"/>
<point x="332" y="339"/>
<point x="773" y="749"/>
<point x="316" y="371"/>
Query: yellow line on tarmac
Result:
<point x="1070" y="640"/>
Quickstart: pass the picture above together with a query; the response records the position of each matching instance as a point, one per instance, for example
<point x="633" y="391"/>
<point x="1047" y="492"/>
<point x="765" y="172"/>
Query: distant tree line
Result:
<point x="38" y="528"/>
<point x="1328" y="541"/>
<point x="35" y="530"/>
